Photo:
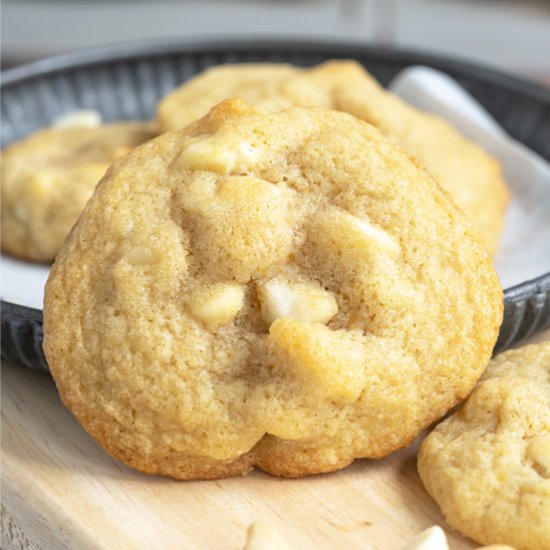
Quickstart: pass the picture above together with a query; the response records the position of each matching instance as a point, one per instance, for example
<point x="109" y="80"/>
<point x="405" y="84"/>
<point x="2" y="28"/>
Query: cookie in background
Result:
<point x="48" y="177"/>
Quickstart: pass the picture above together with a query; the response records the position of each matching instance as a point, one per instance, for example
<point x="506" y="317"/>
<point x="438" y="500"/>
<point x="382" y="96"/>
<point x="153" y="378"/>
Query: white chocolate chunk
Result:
<point x="84" y="118"/>
<point x="217" y="305"/>
<point x="141" y="255"/>
<point x="202" y="156"/>
<point x="305" y="302"/>
<point x="333" y="362"/>
<point x="372" y="234"/>
<point x="538" y="451"/>
<point x="262" y="536"/>
<point x="248" y="153"/>
<point x="207" y="155"/>
<point x="375" y="234"/>
<point x="431" y="539"/>
<point x="348" y="234"/>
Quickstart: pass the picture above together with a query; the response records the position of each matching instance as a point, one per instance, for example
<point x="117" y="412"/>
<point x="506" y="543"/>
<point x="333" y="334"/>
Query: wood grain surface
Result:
<point x="61" y="490"/>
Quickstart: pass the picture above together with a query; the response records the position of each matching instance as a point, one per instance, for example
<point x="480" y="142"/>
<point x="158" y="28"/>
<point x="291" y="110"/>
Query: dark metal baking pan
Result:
<point x="126" y="81"/>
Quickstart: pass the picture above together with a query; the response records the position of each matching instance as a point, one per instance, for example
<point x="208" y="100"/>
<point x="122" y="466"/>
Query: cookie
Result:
<point x="469" y="174"/>
<point x="48" y="177"/>
<point x="288" y="290"/>
<point x="488" y="465"/>
<point x="269" y="85"/>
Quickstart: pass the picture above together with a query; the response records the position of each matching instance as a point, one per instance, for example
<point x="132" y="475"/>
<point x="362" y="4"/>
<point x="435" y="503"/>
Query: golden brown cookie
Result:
<point x="48" y="177"/>
<point x="469" y="174"/>
<point x="272" y="86"/>
<point x="472" y="177"/>
<point x="284" y="290"/>
<point x="488" y="465"/>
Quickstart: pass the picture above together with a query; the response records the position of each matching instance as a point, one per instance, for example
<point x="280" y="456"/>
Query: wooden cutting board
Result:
<point x="60" y="490"/>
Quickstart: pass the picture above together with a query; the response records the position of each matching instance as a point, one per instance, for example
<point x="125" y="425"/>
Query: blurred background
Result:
<point x="510" y="35"/>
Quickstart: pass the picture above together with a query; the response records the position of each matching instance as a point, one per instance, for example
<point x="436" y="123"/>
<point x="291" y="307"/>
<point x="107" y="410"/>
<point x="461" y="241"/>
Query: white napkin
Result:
<point x="524" y="252"/>
<point x="525" y="248"/>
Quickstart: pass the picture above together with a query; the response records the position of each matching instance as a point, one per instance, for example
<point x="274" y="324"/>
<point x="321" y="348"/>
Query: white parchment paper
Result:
<point x="524" y="252"/>
<point x="525" y="249"/>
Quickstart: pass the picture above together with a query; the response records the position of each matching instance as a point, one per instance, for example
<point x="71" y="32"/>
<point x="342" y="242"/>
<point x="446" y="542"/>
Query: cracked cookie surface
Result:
<point x="48" y="177"/>
<point x="488" y="465"/>
<point x="287" y="290"/>
<point x="471" y="176"/>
